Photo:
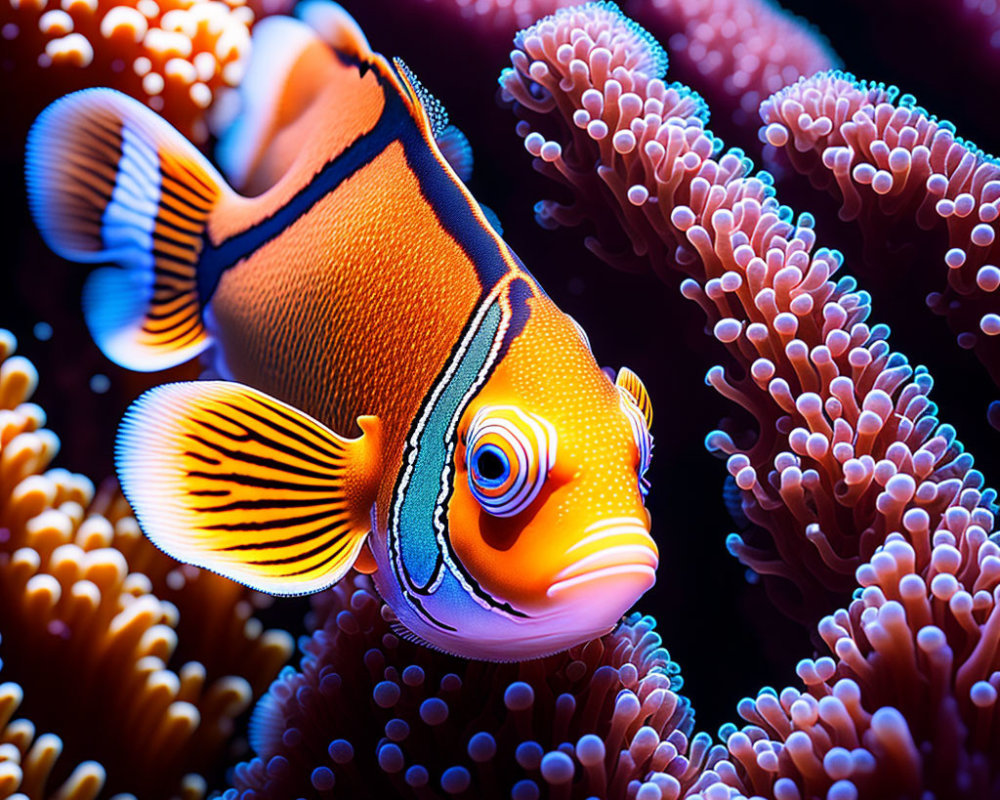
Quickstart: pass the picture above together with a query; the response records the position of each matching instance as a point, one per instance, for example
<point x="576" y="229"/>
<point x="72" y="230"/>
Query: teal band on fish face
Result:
<point x="417" y="528"/>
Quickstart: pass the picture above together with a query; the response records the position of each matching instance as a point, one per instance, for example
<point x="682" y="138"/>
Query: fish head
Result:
<point x="547" y="510"/>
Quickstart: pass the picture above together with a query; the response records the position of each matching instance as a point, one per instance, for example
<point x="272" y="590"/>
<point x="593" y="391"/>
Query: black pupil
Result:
<point x="489" y="465"/>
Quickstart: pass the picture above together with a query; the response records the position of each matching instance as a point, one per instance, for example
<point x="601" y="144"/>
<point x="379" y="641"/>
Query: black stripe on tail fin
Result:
<point x="109" y="181"/>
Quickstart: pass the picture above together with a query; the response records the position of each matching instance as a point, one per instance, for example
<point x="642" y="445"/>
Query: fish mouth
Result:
<point x="624" y="547"/>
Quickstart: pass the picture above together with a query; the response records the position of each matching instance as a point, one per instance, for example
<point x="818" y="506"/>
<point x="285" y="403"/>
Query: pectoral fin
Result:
<point x="227" y="478"/>
<point x="636" y="389"/>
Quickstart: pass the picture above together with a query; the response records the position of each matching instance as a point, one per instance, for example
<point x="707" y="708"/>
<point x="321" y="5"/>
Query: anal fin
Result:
<point x="227" y="478"/>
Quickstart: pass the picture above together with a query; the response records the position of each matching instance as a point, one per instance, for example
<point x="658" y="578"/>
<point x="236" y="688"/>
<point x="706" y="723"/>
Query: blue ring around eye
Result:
<point x="490" y="483"/>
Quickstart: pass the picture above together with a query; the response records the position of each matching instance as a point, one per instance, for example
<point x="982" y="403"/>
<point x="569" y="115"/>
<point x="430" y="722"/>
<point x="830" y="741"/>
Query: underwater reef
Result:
<point x="176" y="55"/>
<point x="841" y="544"/>
<point x="120" y="655"/>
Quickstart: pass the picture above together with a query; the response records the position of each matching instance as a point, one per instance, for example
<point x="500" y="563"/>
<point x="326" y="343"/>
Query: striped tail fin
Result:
<point x="109" y="181"/>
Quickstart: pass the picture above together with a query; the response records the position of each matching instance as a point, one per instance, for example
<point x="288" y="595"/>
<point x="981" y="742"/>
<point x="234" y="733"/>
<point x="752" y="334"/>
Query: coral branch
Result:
<point x="852" y="474"/>
<point x="91" y="638"/>
<point x="908" y="704"/>
<point x="377" y="716"/>
<point x="174" y="55"/>
<point x="737" y="52"/>
<point x="27" y="760"/>
<point x="889" y="161"/>
<point x="848" y="441"/>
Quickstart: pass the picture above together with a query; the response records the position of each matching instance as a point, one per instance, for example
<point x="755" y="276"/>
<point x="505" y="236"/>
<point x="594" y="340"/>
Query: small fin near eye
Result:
<point x="110" y="181"/>
<point x="227" y="478"/>
<point x="289" y="66"/>
<point x="631" y="383"/>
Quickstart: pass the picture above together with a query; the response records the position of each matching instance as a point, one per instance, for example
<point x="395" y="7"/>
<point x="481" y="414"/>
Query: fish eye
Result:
<point x="490" y="465"/>
<point x="508" y="457"/>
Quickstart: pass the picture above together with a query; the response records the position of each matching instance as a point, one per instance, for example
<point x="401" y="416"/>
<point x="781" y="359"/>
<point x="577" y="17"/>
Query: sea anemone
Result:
<point x="174" y="55"/>
<point x="136" y="661"/>
<point x="736" y="52"/>
<point x="27" y="760"/>
<point x="890" y="161"/>
<point x="92" y="640"/>
<point x="375" y="715"/>
<point x="506" y="15"/>
<point x="908" y="705"/>
<point x="848" y="440"/>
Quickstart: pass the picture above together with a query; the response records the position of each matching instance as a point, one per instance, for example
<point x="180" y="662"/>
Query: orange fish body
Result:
<point x="495" y="489"/>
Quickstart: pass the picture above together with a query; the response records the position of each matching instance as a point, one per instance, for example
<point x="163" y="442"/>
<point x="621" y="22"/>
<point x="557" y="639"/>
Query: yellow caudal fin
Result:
<point x="227" y="478"/>
<point x="111" y="182"/>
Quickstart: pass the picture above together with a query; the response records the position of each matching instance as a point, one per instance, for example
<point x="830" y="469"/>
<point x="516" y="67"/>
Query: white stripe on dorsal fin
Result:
<point x="335" y="27"/>
<point x="288" y="69"/>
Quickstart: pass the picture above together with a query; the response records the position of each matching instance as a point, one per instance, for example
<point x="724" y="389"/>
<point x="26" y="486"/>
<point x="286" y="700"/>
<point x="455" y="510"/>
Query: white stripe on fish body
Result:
<point x="614" y="526"/>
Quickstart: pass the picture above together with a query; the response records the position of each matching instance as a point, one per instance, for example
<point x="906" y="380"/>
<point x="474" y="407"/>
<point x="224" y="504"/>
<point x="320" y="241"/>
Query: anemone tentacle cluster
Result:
<point x="93" y="641"/>
<point x="27" y="759"/>
<point x="890" y="160"/>
<point x="907" y="705"/>
<point x="375" y="715"/>
<point x="631" y="66"/>
<point x="174" y="55"/>
<point x="852" y="473"/>
<point x="737" y="52"/>
<point x="744" y="50"/>
<point x="848" y="438"/>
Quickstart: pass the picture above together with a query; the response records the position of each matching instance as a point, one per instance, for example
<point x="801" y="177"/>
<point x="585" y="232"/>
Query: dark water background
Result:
<point x="722" y="629"/>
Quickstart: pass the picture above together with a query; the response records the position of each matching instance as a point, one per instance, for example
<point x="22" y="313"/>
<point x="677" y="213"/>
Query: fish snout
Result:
<point x="616" y="556"/>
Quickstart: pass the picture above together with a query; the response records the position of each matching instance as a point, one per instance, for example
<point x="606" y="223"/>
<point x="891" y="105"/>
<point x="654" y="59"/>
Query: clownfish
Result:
<point x="399" y="395"/>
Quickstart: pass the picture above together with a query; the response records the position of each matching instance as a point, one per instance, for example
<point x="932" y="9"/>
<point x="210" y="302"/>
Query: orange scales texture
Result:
<point x="363" y="330"/>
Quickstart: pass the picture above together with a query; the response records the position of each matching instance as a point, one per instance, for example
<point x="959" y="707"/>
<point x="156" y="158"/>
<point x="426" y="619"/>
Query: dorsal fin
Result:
<point x="430" y="111"/>
<point x="437" y="116"/>
<point x="335" y="27"/>
<point x="290" y="69"/>
<point x="287" y="70"/>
